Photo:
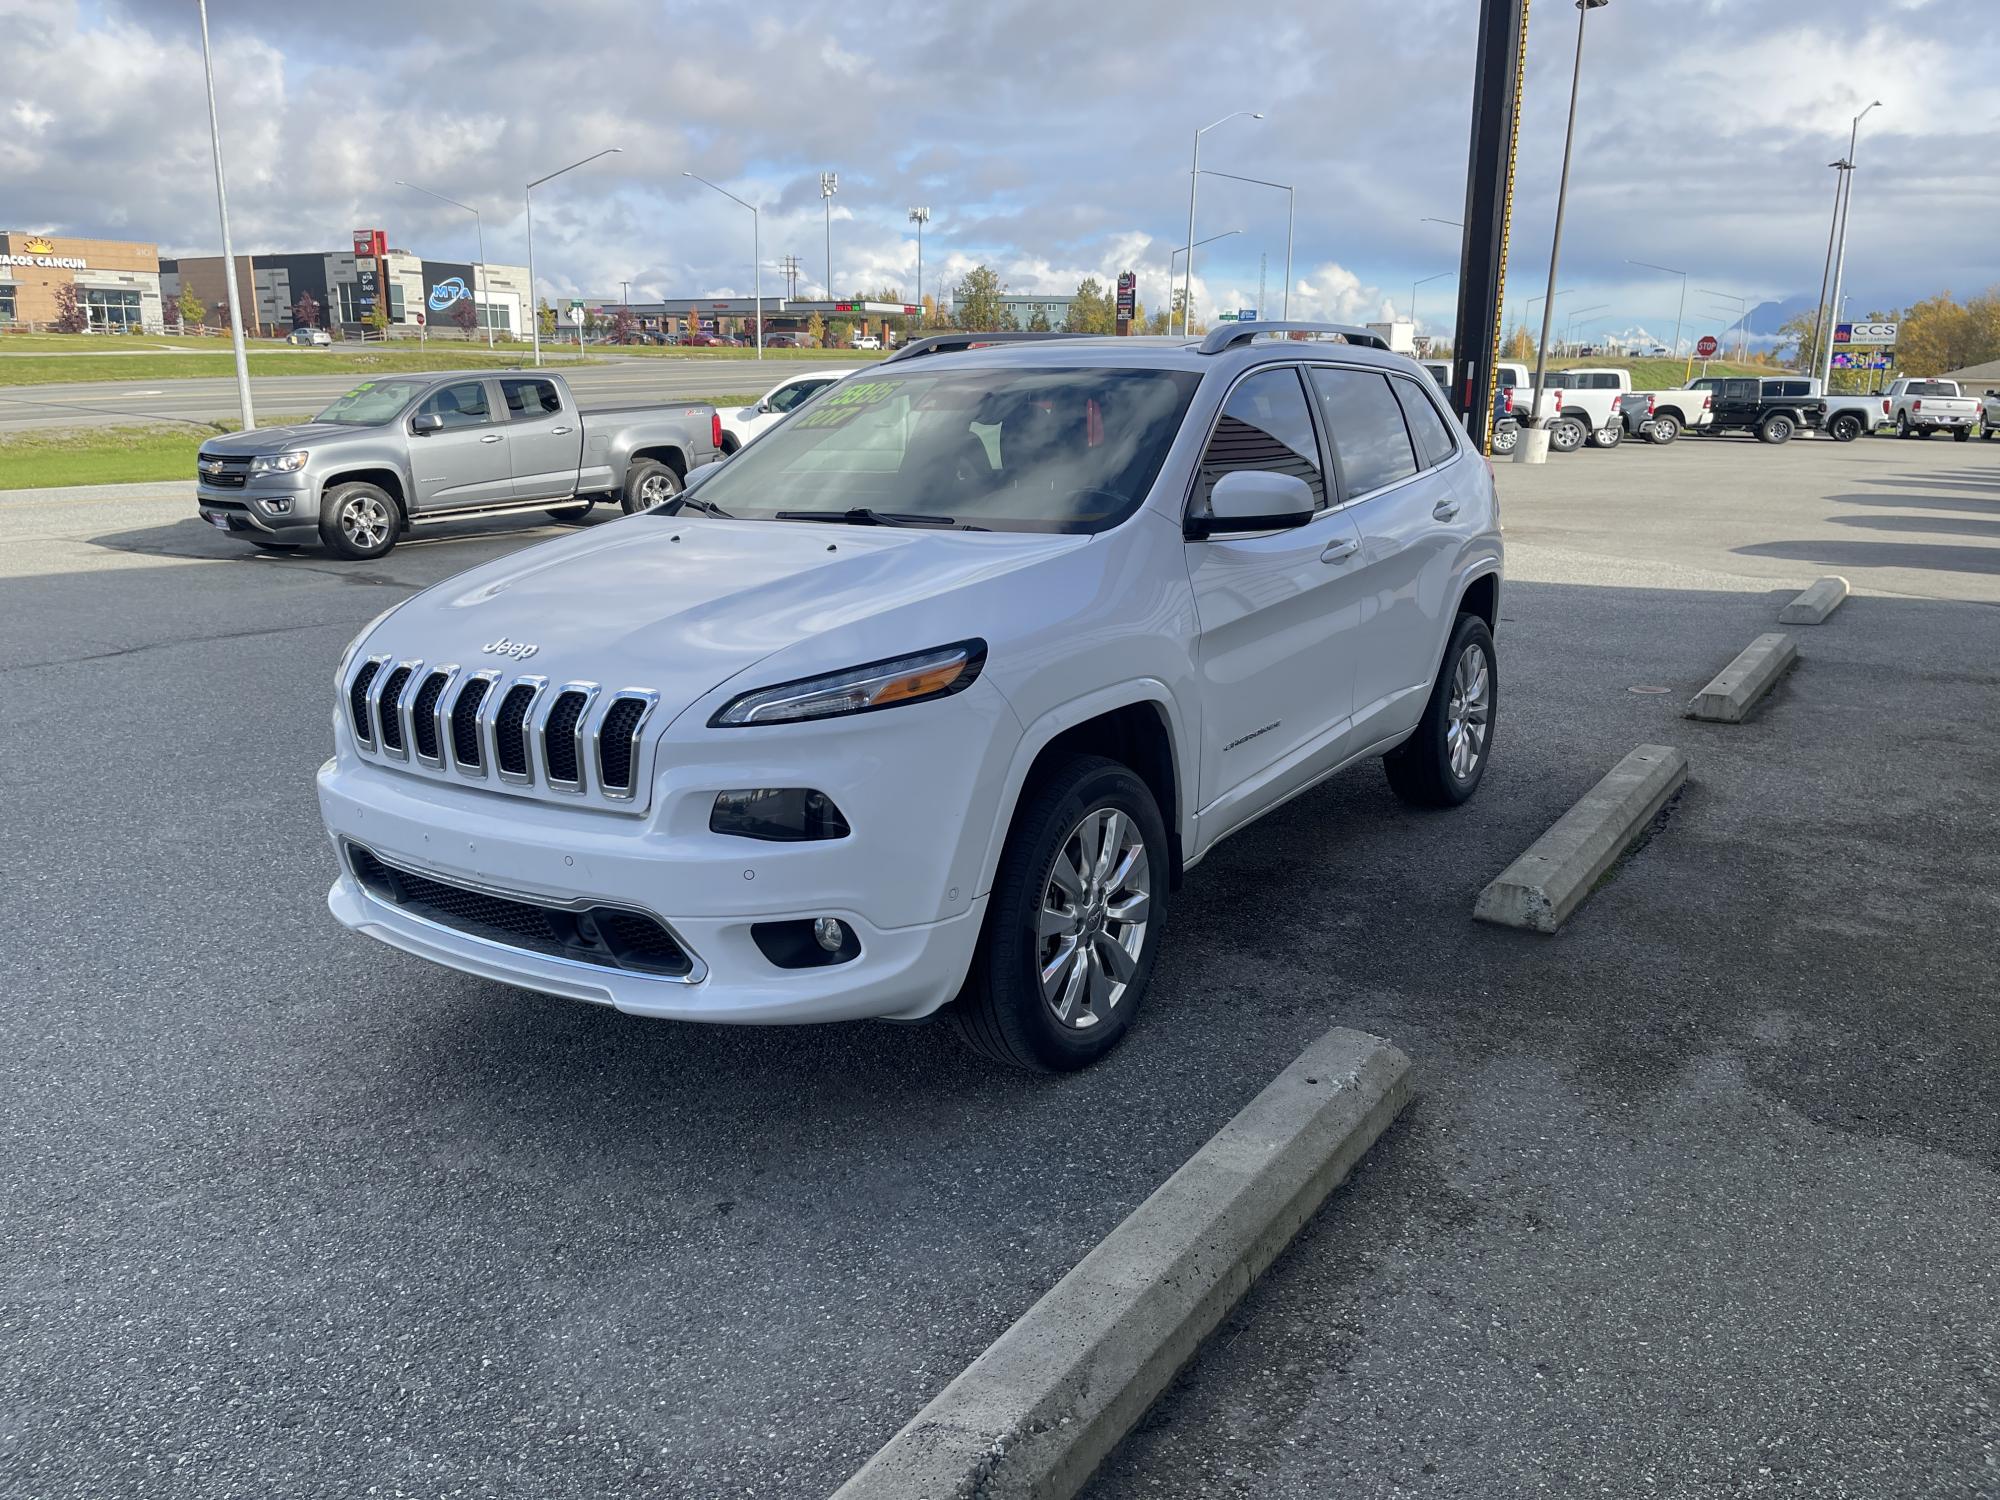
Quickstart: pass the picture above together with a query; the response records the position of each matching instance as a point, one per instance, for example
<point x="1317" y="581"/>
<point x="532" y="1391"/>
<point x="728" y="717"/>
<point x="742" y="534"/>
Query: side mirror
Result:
<point x="761" y="409"/>
<point x="426" y="424"/>
<point x="1253" y="500"/>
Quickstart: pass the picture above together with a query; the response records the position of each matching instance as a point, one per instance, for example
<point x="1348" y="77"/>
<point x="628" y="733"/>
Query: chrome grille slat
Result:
<point x="562" y="740"/>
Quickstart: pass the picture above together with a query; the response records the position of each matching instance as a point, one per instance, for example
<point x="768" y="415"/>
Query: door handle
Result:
<point x="1340" y="551"/>
<point x="1444" y="510"/>
<point x="493" y="437"/>
<point x="558" y="431"/>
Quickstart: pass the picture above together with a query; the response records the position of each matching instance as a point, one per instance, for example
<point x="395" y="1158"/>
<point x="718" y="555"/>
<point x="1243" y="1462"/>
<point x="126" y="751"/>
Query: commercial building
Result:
<point x="345" y="285"/>
<point x="738" y="314"/>
<point x="117" y="281"/>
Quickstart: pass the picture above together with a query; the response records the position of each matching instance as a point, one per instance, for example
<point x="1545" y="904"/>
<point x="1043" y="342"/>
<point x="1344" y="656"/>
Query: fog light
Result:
<point x="829" y="934"/>
<point x="282" y="506"/>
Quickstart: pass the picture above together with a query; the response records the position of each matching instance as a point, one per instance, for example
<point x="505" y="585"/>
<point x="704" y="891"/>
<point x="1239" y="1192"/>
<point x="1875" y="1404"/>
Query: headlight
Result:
<point x="278" y="463"/>
<point x="860" y="690"/>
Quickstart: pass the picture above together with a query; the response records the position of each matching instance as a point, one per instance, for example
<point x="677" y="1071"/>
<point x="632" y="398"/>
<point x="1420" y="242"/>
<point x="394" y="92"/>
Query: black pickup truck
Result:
<point x="1769" y="408"/>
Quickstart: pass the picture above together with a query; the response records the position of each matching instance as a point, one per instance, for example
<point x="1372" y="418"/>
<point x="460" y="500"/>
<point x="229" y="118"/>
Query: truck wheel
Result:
<point x="1441" y="763"/>
<point x="1506" y="435"/>
<point x="1565" y="436"/>
<point x="1844" y="428"/>
<point x="1903" y="428"/>
<point x="1962" y="435"/>
<point x="1777" y="428"/>
<point x="1608" y="437"/>
<point x="1073" y="924"/>
<point x="648" y="483"/>
<point x="359" y="521"/>
<point x="1664" y="430"/>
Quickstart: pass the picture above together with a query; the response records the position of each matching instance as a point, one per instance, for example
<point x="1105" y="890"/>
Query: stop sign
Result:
<point x="1707" y="347"/>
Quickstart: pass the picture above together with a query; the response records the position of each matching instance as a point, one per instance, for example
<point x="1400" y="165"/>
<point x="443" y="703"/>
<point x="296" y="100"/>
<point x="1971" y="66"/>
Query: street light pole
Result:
<point x="1684" y="297"/>
<point x="920" y="216"/>
<point x="1413" y="297"/>
<point x="1742" y="315"/>
<point x="1840" y="254"/>
<point x="1194" y="180"/>
<point x="479" y="229"/>
<point x="1583" y="10"/>
<point x="829" y="184"/>
<point x="1291" y="199"/>
<point x="1181" y="250"/>
<point x="228" y="251"/>
<point x="756" y="253"/>
<point x="528" y="193"/>
<point x="1569" y="327"/>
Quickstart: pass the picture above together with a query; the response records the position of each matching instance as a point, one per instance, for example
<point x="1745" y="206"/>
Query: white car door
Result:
<point x="1404" y="506"/>
<point x="1274" y="613"/>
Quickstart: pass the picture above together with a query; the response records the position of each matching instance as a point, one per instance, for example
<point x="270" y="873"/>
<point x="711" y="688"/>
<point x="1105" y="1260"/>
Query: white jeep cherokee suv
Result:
<point x="928" y="699"/>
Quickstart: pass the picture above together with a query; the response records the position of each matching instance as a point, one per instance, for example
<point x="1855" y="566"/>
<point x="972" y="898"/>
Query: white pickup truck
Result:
<point x="1919" y="408"/>
<point x="1662" y="416"/>
<point x="1586" y="405"/>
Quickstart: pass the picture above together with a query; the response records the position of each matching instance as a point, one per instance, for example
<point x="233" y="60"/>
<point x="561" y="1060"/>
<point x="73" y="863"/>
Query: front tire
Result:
<point x="1776" y="429"/>
<point x="1442" y="763"/>
<point x="359" y="521"/>
<point x="1844" y="428"/>
<point x="1073" y="925"/>
<point x="1664" y="430"/>
<point x="648" y="483"/>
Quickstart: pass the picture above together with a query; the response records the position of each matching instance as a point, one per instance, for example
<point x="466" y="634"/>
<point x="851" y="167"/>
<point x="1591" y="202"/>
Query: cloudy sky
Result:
<point x="1049" y="139"/>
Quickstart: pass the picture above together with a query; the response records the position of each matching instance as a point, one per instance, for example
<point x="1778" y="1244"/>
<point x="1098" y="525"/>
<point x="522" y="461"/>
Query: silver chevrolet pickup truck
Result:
<point x="416" y="450"/>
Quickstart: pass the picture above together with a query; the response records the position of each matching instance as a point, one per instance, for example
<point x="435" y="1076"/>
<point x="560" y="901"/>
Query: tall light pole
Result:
<point x="1583" y="10"/>
<point x="1840" y="254"/>
<point x="1427" y="219"/>
<point x="1811" y="360"/>
<point x="1545" y="298"/>
<point x="228" y="251"/>
<point x="756" y="252"/>
<point x="534" y="307"/>
<point x="1742" y="314"/>
<point x="1179" y="251"/>
<point x="1569" y="327"/>
<point x="920" y="216"/>
<point x="479" y="229"/>
<point x="1291" y="200"/>
<point x="1194" y="180"/>
<point x="829" y="184"/>
<point x="1413" y="295"/>
<point x="1684" y="297"/>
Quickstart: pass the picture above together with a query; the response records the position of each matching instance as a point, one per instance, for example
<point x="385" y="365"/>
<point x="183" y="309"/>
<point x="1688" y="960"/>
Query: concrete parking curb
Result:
<point x="1041" y="1408"/>
<point x="1816" y="603"/>
<point x="1737" y="687"/>
<point x="1539" y="890"/>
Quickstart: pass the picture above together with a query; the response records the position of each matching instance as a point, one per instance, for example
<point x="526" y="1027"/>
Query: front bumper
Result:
<point x="273" y="507"/>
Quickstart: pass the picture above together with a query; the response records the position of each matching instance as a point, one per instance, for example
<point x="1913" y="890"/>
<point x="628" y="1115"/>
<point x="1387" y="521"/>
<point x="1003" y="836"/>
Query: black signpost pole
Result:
<point x="1489" y="198"/>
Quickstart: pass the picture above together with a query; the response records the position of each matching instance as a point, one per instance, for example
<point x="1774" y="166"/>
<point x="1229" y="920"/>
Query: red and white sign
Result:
<point x="1707" y="346"/>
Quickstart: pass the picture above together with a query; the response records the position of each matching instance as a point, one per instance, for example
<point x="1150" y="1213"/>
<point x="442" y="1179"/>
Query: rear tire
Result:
<point x="1962" y="435"/>
<point x="1059" y="892"/>
<point x="1776" y="429"/>
<point x="1664" y="430"/>
<point x="1506" y="436"/>
<point x="1565" y="436"/>
<point x="359" y="521"/>
<point x="1441" y="764"/>
<point x="1844" y="428"/>
<point x="1608" y="437"/>
<point x="1903" y="428"/>
<point x="648" y="483"/>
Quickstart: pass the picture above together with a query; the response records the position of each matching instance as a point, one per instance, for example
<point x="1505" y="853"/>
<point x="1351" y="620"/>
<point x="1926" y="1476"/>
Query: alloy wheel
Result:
<point x="1470" y="712"/>
<point x="655" y="489"/>
<point x="365" y="521"/>
<point x="1094" y="913"/>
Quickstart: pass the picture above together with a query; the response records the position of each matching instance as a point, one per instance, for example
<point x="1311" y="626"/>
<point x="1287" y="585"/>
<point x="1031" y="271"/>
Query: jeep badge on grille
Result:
<point x="519" y="650"/>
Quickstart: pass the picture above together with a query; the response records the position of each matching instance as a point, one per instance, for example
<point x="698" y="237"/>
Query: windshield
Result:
<point x="1009" y="449"/>
<point x="373" y="403"/>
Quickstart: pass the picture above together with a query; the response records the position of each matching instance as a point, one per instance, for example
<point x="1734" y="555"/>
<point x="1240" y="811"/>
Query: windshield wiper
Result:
<point x="861" y="515"/>
<point x="691" y="502"/>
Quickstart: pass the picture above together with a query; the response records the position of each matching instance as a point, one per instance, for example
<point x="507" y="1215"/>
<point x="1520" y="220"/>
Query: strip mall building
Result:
<point x="117" y="281"/>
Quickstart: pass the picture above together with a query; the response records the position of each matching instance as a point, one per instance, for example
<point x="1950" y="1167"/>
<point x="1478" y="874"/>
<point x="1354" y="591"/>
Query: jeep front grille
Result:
<point x="520" y="734"/>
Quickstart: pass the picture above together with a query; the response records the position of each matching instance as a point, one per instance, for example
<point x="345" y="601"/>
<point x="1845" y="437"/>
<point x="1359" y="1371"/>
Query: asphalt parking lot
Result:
<point x="1697" y="1197"/>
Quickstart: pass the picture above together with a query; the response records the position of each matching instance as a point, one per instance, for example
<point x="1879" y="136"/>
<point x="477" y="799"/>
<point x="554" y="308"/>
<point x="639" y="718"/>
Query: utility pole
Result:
<point x="1536" y="418"/>
<point x="228" y="253"/>
<point x="1840" y="253"/>
<point x="920" y="216"/>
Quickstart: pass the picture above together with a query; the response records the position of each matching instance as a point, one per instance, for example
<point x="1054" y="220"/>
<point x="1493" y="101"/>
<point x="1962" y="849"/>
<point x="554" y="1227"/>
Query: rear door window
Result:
<point x="1265" y="424"/>
<point x="1364" y="423"/>
<point x="1432" y="434"/>
<point x="530" y="397"/>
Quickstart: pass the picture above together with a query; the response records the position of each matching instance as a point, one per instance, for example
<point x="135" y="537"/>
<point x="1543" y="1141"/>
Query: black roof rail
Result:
<point x="950" y="343"/>
<point x="1228" y="335"/>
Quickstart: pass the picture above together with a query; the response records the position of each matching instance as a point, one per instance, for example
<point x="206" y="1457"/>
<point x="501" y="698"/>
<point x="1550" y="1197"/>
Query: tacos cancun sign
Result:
<point x="47" y="262"/>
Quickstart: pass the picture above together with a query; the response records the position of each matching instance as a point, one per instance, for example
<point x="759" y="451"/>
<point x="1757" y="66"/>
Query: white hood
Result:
<point x="680" y="604"/>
